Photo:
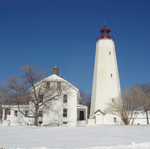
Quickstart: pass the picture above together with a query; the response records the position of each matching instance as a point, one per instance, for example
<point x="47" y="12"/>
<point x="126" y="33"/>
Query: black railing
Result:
<point x="111" y="37"/>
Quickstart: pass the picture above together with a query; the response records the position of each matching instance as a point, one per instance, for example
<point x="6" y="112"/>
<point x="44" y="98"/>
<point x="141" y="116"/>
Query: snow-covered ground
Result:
<point x="92" y="137"/>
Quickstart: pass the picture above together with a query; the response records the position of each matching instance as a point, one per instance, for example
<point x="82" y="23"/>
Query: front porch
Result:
<point x="81" y="116"/>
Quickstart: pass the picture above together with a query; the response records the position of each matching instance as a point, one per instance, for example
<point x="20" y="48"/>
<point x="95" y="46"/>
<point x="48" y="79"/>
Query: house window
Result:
<point x="16" y="113"/>
<point x="113" y="100"/>
<point x="58" y="85"/>
<point x="8" y="112"/>
<point x="40" y="122"/>
<point x="26" y="113"/>
<point x="109" y="53"/>
<point x="64" y="122"/>
<point x="47" y="84"/>
<point x="40" y="98"/>
<point x="115" y="119"/>
<point x="111" y="75"/>
<point x="64" y="112"/>
<point x="65" y="99"/>
<point x="40" y="113"/>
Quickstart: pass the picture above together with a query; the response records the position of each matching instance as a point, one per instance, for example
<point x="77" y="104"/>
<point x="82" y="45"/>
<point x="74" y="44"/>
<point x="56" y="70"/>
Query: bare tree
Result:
<point x="33" y="88"/>
<point x="85" y="100"/>
<point x="126" y="105"/>
<point x="144" y="100"/>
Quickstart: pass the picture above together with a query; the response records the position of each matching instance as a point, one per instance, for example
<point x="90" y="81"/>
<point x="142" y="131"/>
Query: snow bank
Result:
<point x="132" y="146"/>
<point x="5" y="123"/>
<point x="93" y="137"/>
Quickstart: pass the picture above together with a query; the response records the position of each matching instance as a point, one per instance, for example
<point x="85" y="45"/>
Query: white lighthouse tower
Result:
<point x="106" y="84"/>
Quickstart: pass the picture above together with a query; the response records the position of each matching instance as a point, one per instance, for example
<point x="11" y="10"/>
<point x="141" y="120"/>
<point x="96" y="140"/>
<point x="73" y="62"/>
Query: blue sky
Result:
<point x="63" y="33"/>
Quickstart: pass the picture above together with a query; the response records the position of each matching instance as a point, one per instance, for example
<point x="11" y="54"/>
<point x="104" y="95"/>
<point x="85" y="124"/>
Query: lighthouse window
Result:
<point x="111" y="75"/>
<point x="114" y="119"/>
<point x="112" y="99"/>
<point x="109" y="53"/>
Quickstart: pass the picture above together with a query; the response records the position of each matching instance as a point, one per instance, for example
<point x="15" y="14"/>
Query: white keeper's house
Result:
<point x="62" y="112"/>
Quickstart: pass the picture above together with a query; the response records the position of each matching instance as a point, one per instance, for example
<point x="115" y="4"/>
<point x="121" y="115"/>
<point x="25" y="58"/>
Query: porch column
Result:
<point x="86" y="113"/>
<point x="3" y="114"/>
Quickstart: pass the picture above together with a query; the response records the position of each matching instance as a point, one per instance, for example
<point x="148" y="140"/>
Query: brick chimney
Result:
<point x="55" y="70"/>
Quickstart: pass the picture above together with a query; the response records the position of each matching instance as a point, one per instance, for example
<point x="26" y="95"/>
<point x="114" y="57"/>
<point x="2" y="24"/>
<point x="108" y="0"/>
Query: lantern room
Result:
<point x="105" y="32"/>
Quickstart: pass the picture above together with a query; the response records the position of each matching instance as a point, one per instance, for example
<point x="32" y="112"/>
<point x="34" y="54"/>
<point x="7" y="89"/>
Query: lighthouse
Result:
<point x="106" y="84"/>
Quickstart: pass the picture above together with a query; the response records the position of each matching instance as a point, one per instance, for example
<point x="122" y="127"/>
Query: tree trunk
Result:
<point x="147" y="117"/>
<point x="126" y="121"/>
<point x="36" y="117"/>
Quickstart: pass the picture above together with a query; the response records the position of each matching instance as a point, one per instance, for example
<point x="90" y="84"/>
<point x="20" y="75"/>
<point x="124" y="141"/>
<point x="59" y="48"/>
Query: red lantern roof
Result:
<point x="105" y="29"/>
<point x="105" y="32"/>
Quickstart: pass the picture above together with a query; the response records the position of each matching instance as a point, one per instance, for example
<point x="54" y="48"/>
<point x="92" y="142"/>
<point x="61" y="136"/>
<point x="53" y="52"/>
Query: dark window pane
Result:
<point x="59" y="85"/>
<point x="48" y="84"/>
<point x="64" y="112"/>
<point x="26" y="113"/>
<point x="112" y="99"/>
<point x="40" y="98"/>
<point x="40" y="113"/>
<point x="114" y="119"/>
<point x="8" y="111"/>
<point x="16" y="113"/>
<point x="65" y="99"/>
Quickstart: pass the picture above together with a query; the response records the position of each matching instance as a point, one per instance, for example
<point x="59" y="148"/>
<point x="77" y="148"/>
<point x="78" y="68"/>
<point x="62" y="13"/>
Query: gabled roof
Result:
<point x="99" y="110"/>
<point x="57" y="78"/>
